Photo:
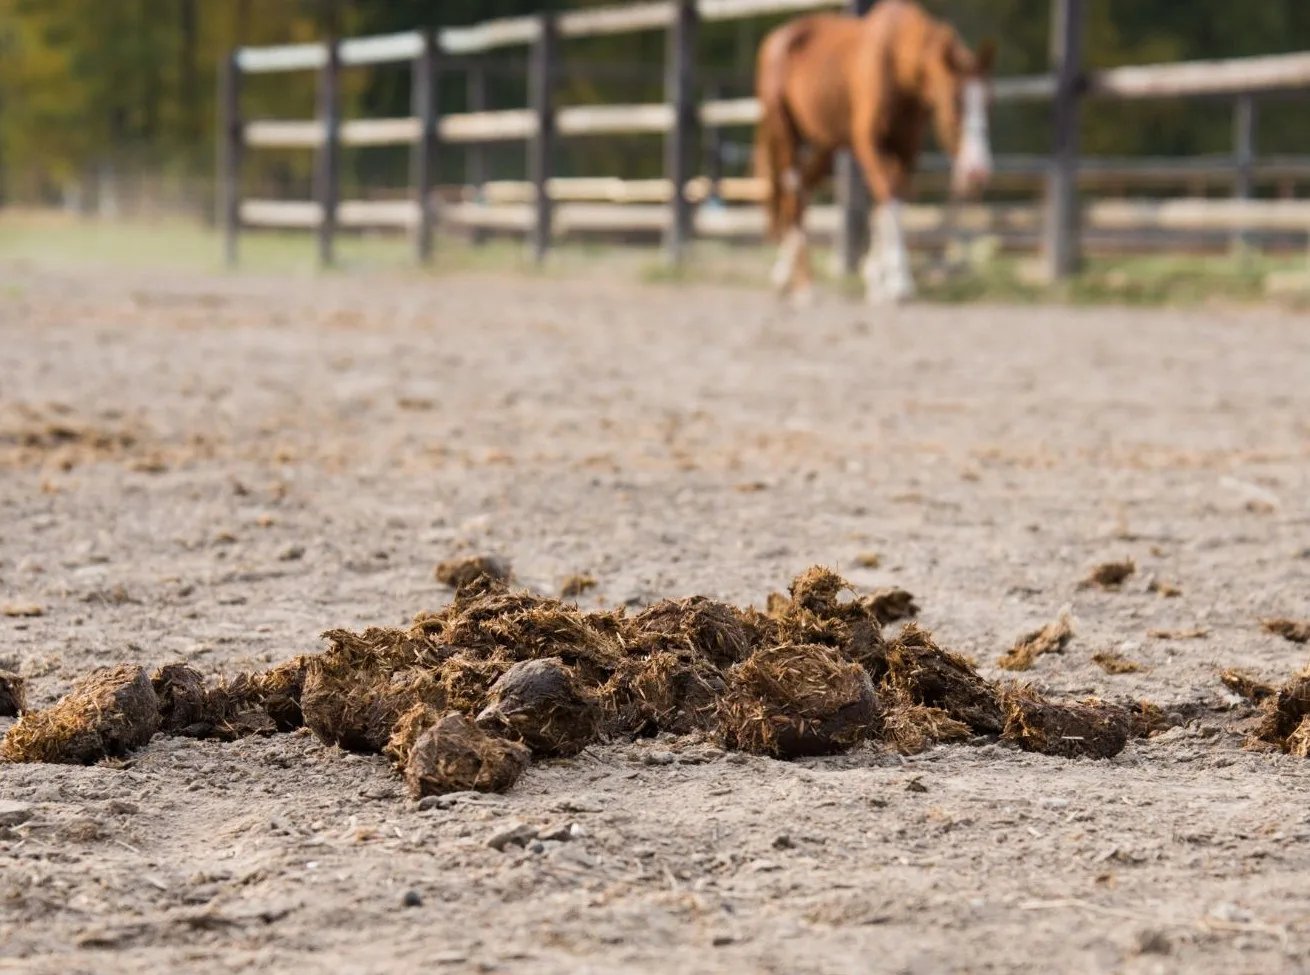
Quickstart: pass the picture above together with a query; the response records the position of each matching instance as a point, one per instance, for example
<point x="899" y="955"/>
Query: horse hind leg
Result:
<point x="792" y="249"/>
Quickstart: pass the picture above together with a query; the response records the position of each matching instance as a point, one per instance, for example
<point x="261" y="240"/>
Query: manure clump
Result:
<point x="13" y="694"/>
<point x="1110" y="575"/>
<point x="455" y="755"/>
<point x="1284" y="715"/>
<point x="928" y="675"/>
<point x="542" y="704"/>
<point x="1091" y="728"/>
<point x="106" y="715"/>
<point x="792" y="701"/>
<point x="661" y="692"/>
<point x="692" y="629"/>
<point x="475" y="571"/>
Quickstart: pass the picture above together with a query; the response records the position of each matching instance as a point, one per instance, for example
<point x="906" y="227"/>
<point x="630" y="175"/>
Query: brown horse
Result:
<point x="827" y="82"/>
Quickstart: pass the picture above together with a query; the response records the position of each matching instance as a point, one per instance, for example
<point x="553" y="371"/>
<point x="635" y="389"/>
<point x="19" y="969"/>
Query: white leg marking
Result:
<point x="973" y="161"/>
<point x="791" y="180"/>
<point x="887" y="272"/>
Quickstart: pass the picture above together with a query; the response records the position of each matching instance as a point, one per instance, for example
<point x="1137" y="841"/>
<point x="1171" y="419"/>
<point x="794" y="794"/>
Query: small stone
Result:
<point x="120" y="807"/>
<point x="783" y="842"/>
<point x="428" y="803"/>
<point x="562" y="833"/>
<point x="13" y="813"/>
<point x="722" y="939"/>
<point x="412" y="898"/>
<point x="292" y="553"/>
<point x="1052" y="802"/>
<point x="763" y="866"/>
<point x="1231" y="913"/>
<point x="517" y="834"/>
<point x="536" y="846"/>
<point x="658" y="758"/>
<point x="915" y="785"/>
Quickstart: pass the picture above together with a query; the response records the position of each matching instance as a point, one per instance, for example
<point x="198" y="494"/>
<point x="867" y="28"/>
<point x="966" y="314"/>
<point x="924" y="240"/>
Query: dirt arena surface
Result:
<point x="216" y="470"/>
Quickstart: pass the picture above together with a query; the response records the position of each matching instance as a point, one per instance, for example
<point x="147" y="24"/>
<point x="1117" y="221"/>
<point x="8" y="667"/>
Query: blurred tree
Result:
<point x="87" y="85"/>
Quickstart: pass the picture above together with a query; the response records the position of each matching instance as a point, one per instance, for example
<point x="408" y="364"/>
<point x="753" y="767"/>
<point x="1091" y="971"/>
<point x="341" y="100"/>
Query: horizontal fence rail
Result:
<point x="547" y="204"/>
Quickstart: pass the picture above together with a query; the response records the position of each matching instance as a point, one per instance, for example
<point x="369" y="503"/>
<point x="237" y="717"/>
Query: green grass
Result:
<point x="1165" y="279"/>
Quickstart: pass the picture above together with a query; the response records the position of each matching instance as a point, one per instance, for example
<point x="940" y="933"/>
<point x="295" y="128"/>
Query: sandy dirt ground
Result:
<point x="216" y="470"/>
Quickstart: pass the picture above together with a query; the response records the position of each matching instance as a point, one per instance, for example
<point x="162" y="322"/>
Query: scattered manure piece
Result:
<point x="107" y="714"/>
<point x="1051" y="638"/>
<point x="466" y="572"/>
<point x="1284" y="713"/>
<point x="936" y="678"/>
<point x="1297" y="631"/>
<point x="1089" y="728"/>
<point x="1164" y="588"/>
<point x="1148" y="719"/>
<point x="454" y="755"/>
<point x="13" y="694"/>
<point x="1247" y="686"/>
<point x="791" y="701"/>
<point x="868" y="560"/>
<point x="1196" y="633"/>
<point x="890" y="605"/>
<point x="1113" y="662"/>
<point x="692" y="628"/>
<point x="542" y="704"/>
<point x="356" y="703"/>
<point x="911" y="728"/>
<point x="1110" y="575"/>
<point x="661" y="692"/>
<point x="575" y="585"/>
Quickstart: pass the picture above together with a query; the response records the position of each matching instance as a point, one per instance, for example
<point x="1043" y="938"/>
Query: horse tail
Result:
<point x="776" y="123"/>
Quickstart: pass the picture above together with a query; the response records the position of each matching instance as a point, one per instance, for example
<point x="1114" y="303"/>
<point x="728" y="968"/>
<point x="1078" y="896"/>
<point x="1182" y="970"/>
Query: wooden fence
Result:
<point x="672" y="204"/>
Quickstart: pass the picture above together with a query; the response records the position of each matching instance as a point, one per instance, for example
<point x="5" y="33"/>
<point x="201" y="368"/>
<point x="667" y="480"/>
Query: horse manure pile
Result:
<point x="467" y="696"/>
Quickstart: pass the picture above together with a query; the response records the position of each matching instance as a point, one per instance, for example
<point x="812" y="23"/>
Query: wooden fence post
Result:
<point x="329" y="161"/>
<point x="1063" y="246"/>
<point x="476" y="93"/>
<point x="852" y="193"/>
<point x="541" y="83"/>
<point x="1244" y="119"/>
<point x="679" y="92"/>
<point x="423" y="102"/>
<point x="713" y="147"/>
<point x="230" y="144"/>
